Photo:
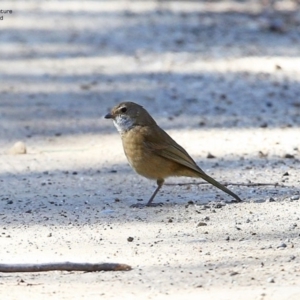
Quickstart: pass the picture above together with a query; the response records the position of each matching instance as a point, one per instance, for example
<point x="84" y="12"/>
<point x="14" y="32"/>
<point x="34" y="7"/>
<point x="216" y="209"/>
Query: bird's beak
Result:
<point x="108" y="116"/>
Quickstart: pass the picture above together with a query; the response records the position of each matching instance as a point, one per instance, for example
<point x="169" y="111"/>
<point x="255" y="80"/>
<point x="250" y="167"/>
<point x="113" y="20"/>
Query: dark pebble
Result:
<point x="209" y="155"/>
<point x="271" y="199"/>
<point x="201" y="224"/>
<point x="282" y="245"/>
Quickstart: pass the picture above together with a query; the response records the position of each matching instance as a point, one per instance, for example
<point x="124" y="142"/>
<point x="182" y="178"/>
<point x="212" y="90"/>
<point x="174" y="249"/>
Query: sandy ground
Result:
<point x="220" y="79"/>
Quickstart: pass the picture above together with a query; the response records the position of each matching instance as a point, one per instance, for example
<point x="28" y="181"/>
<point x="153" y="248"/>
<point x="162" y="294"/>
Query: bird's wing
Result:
<point x="163" y="145"/>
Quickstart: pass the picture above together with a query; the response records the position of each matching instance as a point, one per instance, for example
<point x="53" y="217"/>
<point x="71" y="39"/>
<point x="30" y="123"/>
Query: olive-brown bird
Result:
<point x="151" y="152"/>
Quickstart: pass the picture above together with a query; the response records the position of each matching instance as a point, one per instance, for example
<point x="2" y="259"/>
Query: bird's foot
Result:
<point x="233" y="201"/>
<point x="140" y="205"/>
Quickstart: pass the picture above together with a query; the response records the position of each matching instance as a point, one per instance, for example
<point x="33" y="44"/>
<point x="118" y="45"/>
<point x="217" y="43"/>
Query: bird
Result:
<point x="151" y="152"/>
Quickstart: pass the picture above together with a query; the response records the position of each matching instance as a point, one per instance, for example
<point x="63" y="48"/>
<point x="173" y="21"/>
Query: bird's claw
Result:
<point x="233" y="201"/>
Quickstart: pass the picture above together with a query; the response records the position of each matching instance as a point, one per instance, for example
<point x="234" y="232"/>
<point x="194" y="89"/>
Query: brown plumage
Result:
<point x="151" y="152"/>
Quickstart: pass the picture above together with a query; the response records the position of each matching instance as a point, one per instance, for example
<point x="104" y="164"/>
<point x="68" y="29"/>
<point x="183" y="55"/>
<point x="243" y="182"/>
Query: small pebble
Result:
<point x="130" y="239"/>
<point x="293" y="226"/>
<point x="282" y="245"/>
<point x="271" y="199"/>
<point x="201" y="224"/>
<point x="276" y="25"/>
<point x="271" y="280"/>
<point x="262" y="154"/>
<point x="292" y="257"/>
<point x="296" y="197"/>
<point x="218" y="205"/>
<point x="18" y="148"/>
<point x="209" y="155"/>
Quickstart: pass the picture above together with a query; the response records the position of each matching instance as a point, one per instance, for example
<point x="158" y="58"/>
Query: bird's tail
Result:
<point x="219" y="185"/>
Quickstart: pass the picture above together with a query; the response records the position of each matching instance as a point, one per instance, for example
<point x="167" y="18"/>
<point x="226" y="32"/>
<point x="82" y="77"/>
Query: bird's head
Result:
<point x="126" y="115"/>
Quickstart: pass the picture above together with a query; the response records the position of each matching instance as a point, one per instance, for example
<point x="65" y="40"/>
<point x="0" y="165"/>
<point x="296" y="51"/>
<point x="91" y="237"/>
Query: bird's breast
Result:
<point x="141" y="158"/>
<point x="133" y="144"/>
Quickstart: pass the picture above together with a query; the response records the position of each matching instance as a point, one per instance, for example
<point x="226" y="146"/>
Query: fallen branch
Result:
<point x="63" y="266"/>
<point x="228" y="183"/>
<point x="255" y="184"/>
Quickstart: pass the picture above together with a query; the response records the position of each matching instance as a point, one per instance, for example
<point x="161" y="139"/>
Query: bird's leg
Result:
<point x="160" y="183"/>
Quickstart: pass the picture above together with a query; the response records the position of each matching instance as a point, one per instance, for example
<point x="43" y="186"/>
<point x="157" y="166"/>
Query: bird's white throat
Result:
<point x="123" y="123"/>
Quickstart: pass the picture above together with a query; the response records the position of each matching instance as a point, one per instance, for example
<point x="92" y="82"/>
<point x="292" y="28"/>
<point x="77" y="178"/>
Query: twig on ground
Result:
<point x="63" y="266"/>
<point x="254" y="184"/>
<point x="230" y="183"/>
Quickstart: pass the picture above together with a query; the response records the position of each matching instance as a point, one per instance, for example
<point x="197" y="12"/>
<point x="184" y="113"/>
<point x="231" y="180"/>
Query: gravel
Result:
<point x="221" y="77"/>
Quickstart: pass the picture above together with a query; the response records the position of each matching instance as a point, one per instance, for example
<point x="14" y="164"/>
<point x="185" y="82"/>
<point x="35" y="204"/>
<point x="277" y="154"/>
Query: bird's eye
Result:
<point x="123" y="109"/>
